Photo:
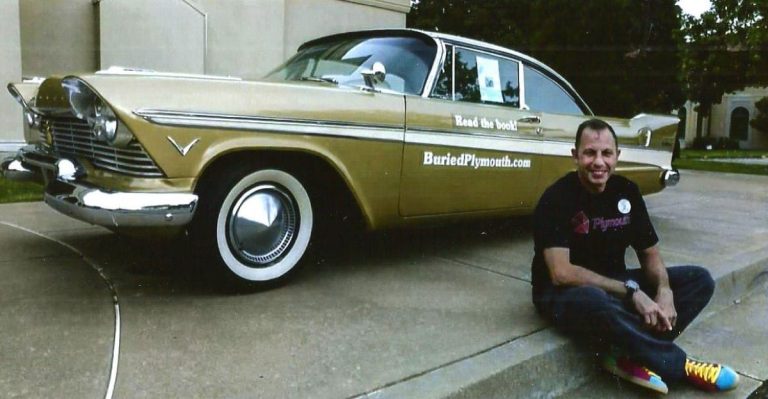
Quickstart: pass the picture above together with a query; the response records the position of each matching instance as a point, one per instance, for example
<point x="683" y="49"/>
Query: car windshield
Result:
<point x="407" y="61"/>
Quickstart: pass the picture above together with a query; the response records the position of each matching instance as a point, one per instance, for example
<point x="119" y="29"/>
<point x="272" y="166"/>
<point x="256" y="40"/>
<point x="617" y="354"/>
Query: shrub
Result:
<point x="716" y="143"/>
<point x="760" y="121"/>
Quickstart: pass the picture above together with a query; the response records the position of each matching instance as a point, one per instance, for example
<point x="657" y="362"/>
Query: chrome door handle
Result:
<point x="529" y="119"/>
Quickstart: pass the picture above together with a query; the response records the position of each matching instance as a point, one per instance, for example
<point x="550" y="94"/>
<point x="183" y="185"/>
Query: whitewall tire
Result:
<point x="264" y="225"/>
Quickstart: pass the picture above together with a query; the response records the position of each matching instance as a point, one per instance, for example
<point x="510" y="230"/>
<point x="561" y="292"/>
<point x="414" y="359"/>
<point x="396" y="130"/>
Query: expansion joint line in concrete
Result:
<point x="452" y="362"/>
<point x="116" y="341"/>
<point x="484" y="269"/>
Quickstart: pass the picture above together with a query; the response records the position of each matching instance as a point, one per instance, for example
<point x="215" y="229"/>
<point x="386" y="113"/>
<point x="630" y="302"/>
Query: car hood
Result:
<point x="129" y="94"/>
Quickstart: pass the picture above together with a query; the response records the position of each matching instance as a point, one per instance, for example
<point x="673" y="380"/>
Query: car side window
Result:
<point x="485" y="78"/>
<point x="544" y="95"/>
<point x="444" y="84"/>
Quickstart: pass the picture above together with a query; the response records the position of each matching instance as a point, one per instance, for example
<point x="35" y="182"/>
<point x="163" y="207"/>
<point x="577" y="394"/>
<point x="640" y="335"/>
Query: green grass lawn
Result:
<point x="702" y="160"/>
<point x="11" y="191"/>
<point x="706" y="154"/>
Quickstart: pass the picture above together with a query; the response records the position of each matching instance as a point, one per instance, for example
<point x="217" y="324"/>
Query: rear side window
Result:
<point x="542" y="94"/>
<point x="478" y="77"/>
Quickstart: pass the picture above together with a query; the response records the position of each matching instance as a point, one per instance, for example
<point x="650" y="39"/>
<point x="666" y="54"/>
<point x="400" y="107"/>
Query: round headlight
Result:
<point x="104" y="122"/>
<point x="80" y="97"/>
<point x="89" y="106"/>
<point x="98" y="107"/>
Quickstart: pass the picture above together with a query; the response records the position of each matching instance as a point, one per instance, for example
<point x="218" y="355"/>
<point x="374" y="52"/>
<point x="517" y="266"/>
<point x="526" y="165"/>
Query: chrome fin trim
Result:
<point x="280" y="125"/>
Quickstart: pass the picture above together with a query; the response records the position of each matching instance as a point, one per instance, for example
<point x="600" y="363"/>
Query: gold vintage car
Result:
<point x="404" y="126"/>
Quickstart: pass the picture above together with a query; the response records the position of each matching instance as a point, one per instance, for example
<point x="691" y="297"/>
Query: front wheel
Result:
<point x="263" y="224"/>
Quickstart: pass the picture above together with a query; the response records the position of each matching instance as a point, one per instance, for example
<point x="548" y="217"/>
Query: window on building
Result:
<point x="739" y="124"/>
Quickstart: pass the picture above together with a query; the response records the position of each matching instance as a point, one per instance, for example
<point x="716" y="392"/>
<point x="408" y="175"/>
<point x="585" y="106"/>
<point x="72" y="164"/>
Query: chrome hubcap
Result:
<point x="262" y="225"/>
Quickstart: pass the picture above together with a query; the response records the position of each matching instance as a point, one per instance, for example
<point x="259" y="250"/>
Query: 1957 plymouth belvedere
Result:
<point x="403" y="126"/>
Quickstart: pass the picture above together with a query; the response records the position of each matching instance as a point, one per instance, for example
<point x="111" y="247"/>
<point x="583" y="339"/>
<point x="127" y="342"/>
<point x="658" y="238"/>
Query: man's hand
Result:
<point x="652" y="313"/>
<point x="665" y="300"/>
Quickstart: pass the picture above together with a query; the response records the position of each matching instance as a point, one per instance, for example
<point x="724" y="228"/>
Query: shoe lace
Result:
<point x="651" y="373"/>
<point x="706" y="371"/>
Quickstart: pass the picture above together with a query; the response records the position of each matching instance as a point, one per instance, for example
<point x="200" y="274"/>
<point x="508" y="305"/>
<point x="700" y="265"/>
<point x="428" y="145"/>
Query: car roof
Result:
<point x="457" y="40"/>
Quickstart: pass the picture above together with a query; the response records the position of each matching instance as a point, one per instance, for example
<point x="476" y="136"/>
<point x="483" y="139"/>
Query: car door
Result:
<point x="469" y="147"/>
<point x="560" y="111"/>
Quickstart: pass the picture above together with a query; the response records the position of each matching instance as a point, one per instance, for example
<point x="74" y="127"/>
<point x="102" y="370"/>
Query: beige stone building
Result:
<point x="244" y="38"/>
<point x="729" y="119"/>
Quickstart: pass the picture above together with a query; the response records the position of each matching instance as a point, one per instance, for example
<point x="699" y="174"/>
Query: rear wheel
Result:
<point x="259" y="222"/>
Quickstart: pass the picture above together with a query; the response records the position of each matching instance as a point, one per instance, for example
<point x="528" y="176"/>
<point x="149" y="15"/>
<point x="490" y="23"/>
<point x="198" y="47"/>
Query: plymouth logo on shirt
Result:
<point x="581" y="223"/>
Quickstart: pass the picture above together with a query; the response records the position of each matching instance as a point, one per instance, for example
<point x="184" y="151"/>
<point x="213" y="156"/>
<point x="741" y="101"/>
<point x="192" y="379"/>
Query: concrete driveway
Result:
<point x="377" y="315"/>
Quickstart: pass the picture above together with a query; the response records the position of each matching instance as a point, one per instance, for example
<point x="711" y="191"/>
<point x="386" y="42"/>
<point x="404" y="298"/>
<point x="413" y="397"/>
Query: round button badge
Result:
<point x="624" y="206"/>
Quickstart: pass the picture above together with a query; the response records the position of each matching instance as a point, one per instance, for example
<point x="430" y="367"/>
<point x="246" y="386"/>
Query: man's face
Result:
<point x="595" y="158"/>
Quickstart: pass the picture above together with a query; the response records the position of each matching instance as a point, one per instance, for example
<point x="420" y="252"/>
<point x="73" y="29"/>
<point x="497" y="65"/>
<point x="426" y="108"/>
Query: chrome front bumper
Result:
<point x="66" y="193"/>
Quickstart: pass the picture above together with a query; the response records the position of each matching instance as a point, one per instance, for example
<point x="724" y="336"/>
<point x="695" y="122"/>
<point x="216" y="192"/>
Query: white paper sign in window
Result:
<point x="488" y="78"/>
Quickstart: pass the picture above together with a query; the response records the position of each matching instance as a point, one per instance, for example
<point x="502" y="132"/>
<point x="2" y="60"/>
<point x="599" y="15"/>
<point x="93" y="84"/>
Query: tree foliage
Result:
<point x="760" y="121"/>
<point x="620" y="55"/>
<point x="726" y="50"/>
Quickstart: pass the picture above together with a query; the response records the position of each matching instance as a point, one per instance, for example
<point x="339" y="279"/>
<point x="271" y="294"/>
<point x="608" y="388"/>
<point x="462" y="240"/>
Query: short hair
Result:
<point x="596" y="125"/>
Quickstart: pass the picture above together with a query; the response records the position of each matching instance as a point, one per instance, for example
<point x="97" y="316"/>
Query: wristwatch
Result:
<point x="632" y="286"/>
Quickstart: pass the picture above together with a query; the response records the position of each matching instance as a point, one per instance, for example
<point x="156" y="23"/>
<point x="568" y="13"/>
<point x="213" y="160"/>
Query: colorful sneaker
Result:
<point x="623" y="367"/>
<point x="710" y="376"/>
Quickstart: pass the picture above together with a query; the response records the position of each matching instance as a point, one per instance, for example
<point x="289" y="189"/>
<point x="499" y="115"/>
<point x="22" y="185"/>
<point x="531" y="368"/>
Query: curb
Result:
<point x="546" y="364"/>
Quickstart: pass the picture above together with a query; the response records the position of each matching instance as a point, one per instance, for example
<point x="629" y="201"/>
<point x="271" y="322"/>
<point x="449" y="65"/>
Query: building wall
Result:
<point x="151" y="34"/>
<point x="245" y="38"/>
<point x="305" y="20"/>
<point x="58" y="35"/>
<point x="11" y="131"/>
<point x="720" y="125"/>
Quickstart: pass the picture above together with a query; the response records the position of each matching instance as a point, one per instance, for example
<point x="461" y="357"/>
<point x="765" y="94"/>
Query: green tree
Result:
<point x="760" y="121"/>
<point x="494" y="21"/>
<point x="621" y="55"/>
<point x="726" y="50"/>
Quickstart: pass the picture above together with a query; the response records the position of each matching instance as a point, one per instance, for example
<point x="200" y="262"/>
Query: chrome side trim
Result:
<point x="126" y="71"/>
<point x="662" y="159"/>
<point x="122" y="209"/>
<point x="494" y="142"/>
<point x="437" y="64"/>
<point x="476" y="141"/>
<point x="258" y="123"/>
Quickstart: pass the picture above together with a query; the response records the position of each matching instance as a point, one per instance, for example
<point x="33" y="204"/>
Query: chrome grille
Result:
<point x="72" y="137"/>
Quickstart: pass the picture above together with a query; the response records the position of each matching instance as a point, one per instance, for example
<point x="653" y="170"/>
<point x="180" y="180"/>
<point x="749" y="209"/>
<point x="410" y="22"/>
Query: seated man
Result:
<point x="582" y="226"/>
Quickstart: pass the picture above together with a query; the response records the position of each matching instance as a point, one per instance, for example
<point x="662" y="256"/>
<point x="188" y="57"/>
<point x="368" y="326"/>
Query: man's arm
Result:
<point x="656" y="273"/>
<point x="564" y="273"/>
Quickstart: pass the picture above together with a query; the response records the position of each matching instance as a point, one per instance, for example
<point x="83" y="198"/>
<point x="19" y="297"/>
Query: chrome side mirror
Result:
<point x="375" y="75"/>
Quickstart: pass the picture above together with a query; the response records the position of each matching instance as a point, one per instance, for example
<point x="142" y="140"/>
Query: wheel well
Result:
<point x="325" y="185"/>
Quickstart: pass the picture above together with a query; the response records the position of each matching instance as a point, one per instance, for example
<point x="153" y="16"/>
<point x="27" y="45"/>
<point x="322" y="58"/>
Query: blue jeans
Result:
<point x="597" y="318"/>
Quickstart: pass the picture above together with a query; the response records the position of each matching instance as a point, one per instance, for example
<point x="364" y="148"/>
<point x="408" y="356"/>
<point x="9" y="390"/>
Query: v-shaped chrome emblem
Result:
<point x="183" y="150"/>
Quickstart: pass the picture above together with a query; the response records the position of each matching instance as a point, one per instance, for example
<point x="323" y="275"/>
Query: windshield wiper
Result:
<point x="318" y="79"/>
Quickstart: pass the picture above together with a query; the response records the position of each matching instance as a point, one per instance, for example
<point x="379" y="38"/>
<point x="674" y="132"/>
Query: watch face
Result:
<point x="632" y="285"/>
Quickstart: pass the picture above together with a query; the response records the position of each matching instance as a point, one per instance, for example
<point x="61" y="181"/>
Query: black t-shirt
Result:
<point x="597" y="228"/>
